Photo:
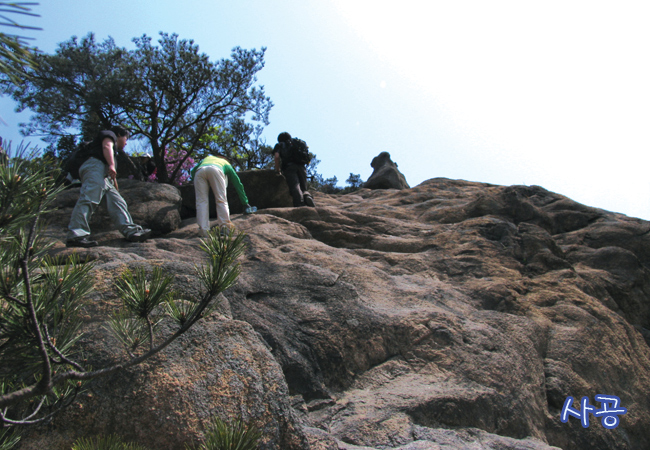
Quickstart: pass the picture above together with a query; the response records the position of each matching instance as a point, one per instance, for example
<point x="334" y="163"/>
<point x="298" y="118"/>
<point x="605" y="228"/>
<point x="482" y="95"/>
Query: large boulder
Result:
<point x="455" y="313"/>
<point x="385" y="174"/>
<point x="219" y="369"/>
<point x="152" y="205"/>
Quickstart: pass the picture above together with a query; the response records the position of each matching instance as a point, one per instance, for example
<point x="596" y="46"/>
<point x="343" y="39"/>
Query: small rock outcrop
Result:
<point x="385" y="174"/>
<point x="447" y="316"/>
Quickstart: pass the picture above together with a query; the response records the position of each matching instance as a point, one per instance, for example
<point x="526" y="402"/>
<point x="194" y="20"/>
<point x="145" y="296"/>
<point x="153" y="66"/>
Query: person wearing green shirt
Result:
<point x="213" y="173"/>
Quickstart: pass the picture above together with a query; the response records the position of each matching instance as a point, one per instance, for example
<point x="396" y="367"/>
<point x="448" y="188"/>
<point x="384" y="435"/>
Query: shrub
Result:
<point x="112" y="442"/>
<point x="231" y="436"/>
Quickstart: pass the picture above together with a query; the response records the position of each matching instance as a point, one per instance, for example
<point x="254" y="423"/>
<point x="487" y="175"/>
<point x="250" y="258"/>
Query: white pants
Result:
<point x="206" y="178"/>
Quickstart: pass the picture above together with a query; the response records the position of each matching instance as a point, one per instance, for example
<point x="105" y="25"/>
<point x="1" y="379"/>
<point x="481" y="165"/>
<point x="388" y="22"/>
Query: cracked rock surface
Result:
<point x="452" y="315"/>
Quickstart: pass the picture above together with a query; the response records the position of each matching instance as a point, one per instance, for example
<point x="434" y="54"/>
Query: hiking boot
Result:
<point x="82" y="242"/>
<point x="139" y="236"/>
<point x="309" y="201"/>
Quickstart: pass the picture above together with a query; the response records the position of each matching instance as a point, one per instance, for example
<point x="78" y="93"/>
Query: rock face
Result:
<point x="453" y="315"/>
<point x="385" y="174"/>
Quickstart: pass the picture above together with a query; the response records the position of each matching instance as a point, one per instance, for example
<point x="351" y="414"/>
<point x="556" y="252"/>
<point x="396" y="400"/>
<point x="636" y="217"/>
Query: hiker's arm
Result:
<point x="107" y="149"/>
<point x="236" y="182"/>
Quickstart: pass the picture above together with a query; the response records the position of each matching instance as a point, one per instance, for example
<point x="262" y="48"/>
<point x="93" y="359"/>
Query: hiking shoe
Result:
<point x="82" y="242"/>
<point x="139" y="236"/>
<point x="309" y="201"/>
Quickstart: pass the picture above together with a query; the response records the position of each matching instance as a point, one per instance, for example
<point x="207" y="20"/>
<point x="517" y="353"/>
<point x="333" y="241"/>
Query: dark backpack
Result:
<point x="299" y="151"/>
<point x="78" y="156"/>
<point x="85" y="150"/>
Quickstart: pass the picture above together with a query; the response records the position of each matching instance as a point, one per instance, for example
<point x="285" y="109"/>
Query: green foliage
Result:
<point x="81" y="86"/>
<point x="222" y="269"/>
<point x="8" y="439"/>
<point x="57" y="296"/>
<point x="14" y="58"/>
<point x="15" y="55"/>
<point x="180" y="310"/>
<point x="231" y="436"/>
<point x="131" y="331"/>
<point x="39" y="299"/>
<point x="241" y="143"/>
<point x="220" y="436"/>
<point x="329" y="185"/>
<point x="60" y="150"/>
<point x="141" y="296"/>
<point x="326" y="186"/>
<point x="169" y="94"/>
<point x="26" y="192"/>
<point x="354" y="181"/>
<point x="111" y="442"/>
<point x="136" y="322"/>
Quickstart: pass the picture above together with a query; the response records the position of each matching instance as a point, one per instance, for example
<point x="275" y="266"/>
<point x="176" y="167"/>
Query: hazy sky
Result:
<point x="553" y="93"/>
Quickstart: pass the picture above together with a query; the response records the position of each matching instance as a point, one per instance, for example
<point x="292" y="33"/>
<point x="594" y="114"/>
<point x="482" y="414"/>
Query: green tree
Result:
<point x="41" y="362"/>
<point x="184" y="97"/>
<point x="170" y="93"/>
<point x="81" y="87"/>
<point x="354" y="181"/>
<point x="324" y="185"/>
<point x="242" y="144"/>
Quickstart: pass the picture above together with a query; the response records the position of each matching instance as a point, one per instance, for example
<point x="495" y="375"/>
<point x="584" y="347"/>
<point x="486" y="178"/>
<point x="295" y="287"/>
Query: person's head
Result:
<point x="122" y="136"/>
<point x="120" y="131"/>
<point x="284" y="137"/>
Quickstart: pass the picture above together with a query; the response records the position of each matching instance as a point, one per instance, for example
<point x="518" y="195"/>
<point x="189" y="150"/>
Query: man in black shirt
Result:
<point x="98" y="179"/>
<point x="295" y="171"/>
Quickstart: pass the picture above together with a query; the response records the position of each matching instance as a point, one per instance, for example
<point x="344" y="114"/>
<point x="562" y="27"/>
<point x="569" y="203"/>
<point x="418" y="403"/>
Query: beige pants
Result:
<point x="206" y="178"/>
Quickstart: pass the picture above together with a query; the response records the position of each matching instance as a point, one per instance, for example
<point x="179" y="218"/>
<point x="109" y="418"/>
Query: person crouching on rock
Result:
<point x="98" y="179"/>
<point x="213" y="172"/>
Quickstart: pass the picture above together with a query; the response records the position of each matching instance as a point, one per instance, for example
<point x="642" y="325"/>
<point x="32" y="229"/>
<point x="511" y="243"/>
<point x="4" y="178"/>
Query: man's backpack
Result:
<point x="85" y="150"/>
<point x="299" y="151"/>
<point x="79" y="155"/>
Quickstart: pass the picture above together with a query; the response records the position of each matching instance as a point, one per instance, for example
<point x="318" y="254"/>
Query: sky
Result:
<point x="552" y="93"/>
